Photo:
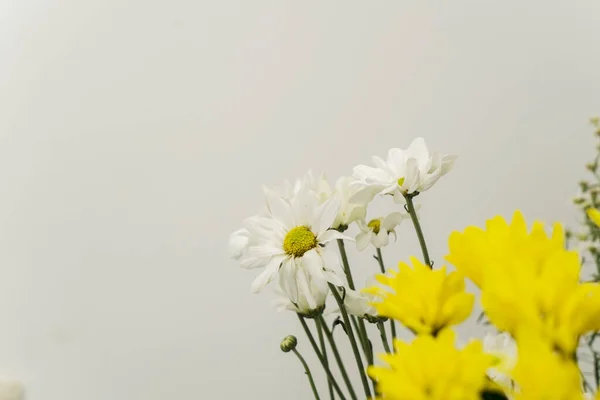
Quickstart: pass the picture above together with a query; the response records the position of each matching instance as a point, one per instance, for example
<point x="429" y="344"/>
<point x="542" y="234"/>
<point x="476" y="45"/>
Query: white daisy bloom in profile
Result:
<point x="403" y="173"/>
<point x="301" y="306"/>
<point x="349" y="212"/>
<point x="503" y="347"/>
<point x="291" y="242"/>
<point x="343" y="190"/>
<point x="11" y="389"/>
<point x="359" y="304"/>
<point x="378" y="231"/>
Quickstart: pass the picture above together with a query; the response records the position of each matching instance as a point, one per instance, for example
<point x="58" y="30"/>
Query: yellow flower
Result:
<point x="528" y="279"/>
<point x="432" y="368"/>
<point x="594" y="215"/>
<point x="541" y="373"/>
<point x="424" y="300"/>
<point x="475" y="250"/>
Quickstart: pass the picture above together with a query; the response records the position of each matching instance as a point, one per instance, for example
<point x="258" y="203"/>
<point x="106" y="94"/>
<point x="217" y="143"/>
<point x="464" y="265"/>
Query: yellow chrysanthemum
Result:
<point x="475" y="250"/>
<point x="432" y="368"/>
<point x="424" y="300"/>
<point x="528" y="280"/>
<point x="594" y="215"/>
<point x="541" y="373"/>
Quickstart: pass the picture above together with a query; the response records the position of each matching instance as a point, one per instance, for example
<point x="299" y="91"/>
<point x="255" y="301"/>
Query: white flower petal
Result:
<point x="238" y="241"/>
<point x="267" y="275"/>
<point x="304" y="288"/>
<point x="381" y="239"/>
<point x="391" y="221"/>
<point x="287" y="279"/>
<point x="396" y="161"/>
<point x="265" y="250"/>
<point x="281" y="210"/>
<point x="448" y="163"/>
<point x="370" y="174"/>
<point x="366" y="194"/>
<point x="250" y="262"/>
<point x="331" y="260"/>
<point x="327" y="214"/>
<point x="330" y="235"/>
<point x="362" y="240"/>
<point x="418" y="151"/>
<point x="411" y="179"/>
<point x="399" y="197"/>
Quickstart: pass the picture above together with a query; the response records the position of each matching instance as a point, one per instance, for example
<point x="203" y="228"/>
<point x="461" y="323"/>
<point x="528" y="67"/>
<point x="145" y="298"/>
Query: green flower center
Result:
<point x="401" y="181"/>
<point x="375" y="225"/>
<point x="298" y="241"/>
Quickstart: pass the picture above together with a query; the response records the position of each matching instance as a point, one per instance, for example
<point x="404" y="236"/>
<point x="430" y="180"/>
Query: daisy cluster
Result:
<point x="291" y="240"/>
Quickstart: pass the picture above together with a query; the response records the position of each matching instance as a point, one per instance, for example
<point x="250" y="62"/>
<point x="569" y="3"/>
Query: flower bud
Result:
<point x="592" y="167"/>
<point x="584" y="186"/>
<point x="288" y="343"/>
<point x="578" y="200"/>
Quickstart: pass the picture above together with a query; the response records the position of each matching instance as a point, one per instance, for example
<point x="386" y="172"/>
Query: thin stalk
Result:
<point x="338" y="358"/>
<point x="410" y="207"/>
<point x="382" y="267"/>
<point x="324" y="353"/>
<point x="320" y="357"/>
<point x="359" y="363"/>
<point x="384" y="338"/>
<point x="596" y="371"/>
<point x="342" y="247"/>
<point x="360" y="329"/>
<point x="307" y="371"/>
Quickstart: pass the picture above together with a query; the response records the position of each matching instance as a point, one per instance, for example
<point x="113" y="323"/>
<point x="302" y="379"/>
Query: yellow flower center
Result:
<point x="298" y="241"/>
<point x="375" y="225"/>
<point x="401" y="181"/>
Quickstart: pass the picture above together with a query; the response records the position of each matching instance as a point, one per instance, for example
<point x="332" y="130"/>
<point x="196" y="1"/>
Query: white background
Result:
<point x="135" y="135"/>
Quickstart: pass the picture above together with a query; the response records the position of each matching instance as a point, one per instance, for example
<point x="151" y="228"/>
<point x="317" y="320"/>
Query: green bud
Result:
<point x="584" y="186"/>
<point x="578" y="200"/>
<point x="592" y="167"/>
<point x="288" y="343"/>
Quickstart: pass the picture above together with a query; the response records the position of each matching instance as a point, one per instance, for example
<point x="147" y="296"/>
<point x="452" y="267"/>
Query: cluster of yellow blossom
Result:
<point x="530" y="288"/>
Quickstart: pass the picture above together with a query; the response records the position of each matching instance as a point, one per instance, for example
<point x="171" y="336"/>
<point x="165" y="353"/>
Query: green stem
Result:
<point x="307" y="371"/>
<point x="338" y="358"/>
<point x="410" y="207"/>
<point x="342" y="247"/>
<point x="359" y="363"/>
<point x="384" y="338"/>
<point x="382" y="267"/>
<point x="319" y="325"/>
<point x="360" y="328"/>
<point x="320" y="357"/>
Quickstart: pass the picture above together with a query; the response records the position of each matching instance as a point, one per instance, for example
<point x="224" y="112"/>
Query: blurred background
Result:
<point x="135" y="136"/>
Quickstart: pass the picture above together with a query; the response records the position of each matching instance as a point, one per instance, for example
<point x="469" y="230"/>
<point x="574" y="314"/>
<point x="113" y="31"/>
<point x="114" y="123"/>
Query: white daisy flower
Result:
<point x="349" y="212"/>
<point x="405" y="172"/>
<point x="290" y="242"/>
<point x="504" y="348"/>
<point x="359" y="304"/>
<point x="342" y="191"/>
<point x="301" y="305"/>
<point x="378" y="231"/>
<point x="11" y="389"/>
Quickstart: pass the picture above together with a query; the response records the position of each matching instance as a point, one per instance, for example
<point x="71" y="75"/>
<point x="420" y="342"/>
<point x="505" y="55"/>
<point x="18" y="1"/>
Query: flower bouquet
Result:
<point x="529" y="282"/>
